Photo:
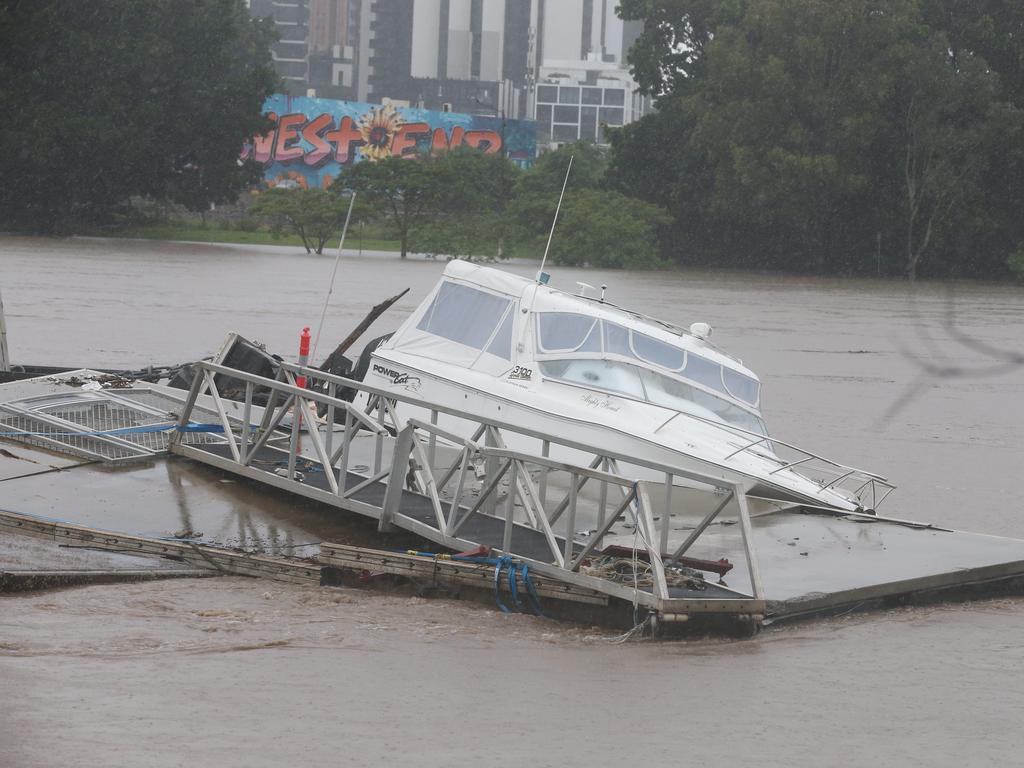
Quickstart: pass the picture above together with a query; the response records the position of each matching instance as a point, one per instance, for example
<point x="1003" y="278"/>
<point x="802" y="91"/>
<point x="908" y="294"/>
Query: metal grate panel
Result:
<point x="64" y="422"/>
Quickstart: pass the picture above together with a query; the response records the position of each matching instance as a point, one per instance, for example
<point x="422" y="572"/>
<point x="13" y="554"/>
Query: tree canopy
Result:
<point x="108" y="99"/>
<point x="315" y="215"/>
<point x="854" y="137"/>
<point x="468" y="203"/>
<point x="402" y="190"/>
<point x="598" y="225"/>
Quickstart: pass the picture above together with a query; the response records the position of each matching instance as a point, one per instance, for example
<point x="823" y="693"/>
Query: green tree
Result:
<point x="825" y="136"/>
<point x="651" y="159"/>
<point x="787" y="116"/>
<point x="946" y="114"/>
<point x="597" y="226"/>
<point x="537" y="190"/>
<point x="471" y="191"/>
<point x="669" y="52"/>
<point x="545" y="177"/>
<point x="401" y="190"/>
<point x="989" y="225"/>
<point x="113" y="98"/>
<point x="602" y="228"/>
<point x="315" y="215"/>
<point x="1015" y="262"/>
<point x="990" y="29"/>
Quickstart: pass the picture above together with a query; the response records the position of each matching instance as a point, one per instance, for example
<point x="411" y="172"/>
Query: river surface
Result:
<point x="910" y="382"/>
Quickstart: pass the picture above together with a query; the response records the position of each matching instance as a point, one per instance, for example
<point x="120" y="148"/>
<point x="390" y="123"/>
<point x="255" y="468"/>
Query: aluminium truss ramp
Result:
<point x="789" y="562"/>
<point x="460" y="492"/>
<point x="487" y="495"/>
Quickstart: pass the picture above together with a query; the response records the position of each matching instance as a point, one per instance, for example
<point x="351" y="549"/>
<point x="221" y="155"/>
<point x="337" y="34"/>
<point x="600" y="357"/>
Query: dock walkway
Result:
<point x="554" y="518"/>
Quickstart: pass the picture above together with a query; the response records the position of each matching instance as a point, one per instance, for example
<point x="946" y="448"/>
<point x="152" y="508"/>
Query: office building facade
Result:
<point x="561" y="62"/>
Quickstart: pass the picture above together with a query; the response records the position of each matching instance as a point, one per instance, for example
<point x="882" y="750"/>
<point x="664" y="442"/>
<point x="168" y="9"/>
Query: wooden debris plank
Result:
<point x="452" y="571"/>
<point x="241" y="563"/>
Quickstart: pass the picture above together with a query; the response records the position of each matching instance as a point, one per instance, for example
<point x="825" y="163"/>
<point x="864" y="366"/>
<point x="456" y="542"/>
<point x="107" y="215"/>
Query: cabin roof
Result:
<point x="552" y="299"/>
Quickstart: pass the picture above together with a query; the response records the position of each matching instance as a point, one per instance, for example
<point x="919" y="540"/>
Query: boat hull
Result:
<point x="589" y="419"/>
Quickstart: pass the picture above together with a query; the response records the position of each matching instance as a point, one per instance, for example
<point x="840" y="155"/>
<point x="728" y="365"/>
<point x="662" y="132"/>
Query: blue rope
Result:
<point x="497" y="581"/>
<point x="531" y="590"/>
<point x="514" y="573"/>
<point x="513" y="586"/>
<point x="190" y="427"/>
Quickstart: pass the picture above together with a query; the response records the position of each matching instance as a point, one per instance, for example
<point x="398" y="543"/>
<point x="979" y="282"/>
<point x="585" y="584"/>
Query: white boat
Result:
<point x="499" y="345"/>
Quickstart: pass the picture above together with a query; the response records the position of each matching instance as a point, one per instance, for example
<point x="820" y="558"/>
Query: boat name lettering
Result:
<point x="521" y="372"/>
<point x="397" y="377"/>
<point x="596" y="401"/>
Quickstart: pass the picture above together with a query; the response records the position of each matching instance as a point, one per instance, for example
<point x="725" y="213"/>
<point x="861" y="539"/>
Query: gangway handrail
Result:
<point x="350" y="383"/>
<point x="410" y="465"/>
<point x="850" y="471"/>
<point x="475" y="417"/>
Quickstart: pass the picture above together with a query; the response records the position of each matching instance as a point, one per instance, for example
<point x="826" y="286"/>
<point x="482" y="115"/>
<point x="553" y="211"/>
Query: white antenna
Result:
<point x="555" y="221"/>
<point x="344" y="229"/>
<point x="334" y="274"/>
<point x="583" y="288"/>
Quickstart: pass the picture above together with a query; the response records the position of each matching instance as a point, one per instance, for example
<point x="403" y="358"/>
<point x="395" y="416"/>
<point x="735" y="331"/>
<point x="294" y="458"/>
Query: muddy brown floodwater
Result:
<point x="228" y="672"/>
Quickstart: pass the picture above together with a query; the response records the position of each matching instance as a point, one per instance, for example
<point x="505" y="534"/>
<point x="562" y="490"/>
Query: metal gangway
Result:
<point x="489" y="483"/>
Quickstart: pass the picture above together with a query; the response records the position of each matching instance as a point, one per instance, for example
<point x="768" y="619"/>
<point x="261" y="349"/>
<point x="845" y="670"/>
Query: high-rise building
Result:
<point x="317" y="40"/>
<point x="291" y="51"/>
<point x="333" y="45"/>
<point x="561" y="62"/>
<point x="582" y="82"/>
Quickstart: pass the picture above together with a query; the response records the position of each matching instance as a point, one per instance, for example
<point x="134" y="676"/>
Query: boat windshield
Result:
<point x="644" y="384"/>
<point x="471" y="317"/>
<point x="575" y="333"/>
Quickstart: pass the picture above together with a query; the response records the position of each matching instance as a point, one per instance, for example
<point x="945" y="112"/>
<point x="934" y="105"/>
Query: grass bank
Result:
<point x="215" y="233"/>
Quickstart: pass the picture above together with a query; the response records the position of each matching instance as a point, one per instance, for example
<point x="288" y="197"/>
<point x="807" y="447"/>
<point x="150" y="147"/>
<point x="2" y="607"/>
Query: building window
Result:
<point x="565" y="132"/>
<point x="611" y="115"/>
<point x="547" y="93"/>
<point x="567" y="114"/>
<point x="615" y="97"/>
<point x="544" y="114"/>
<point x="591" y="95"/>
<point x="588" y="123"/>
<point x="568" y="95"/>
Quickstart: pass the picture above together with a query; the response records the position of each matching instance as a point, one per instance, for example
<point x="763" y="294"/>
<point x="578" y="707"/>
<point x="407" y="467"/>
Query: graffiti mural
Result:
<point x="312" y="139"/>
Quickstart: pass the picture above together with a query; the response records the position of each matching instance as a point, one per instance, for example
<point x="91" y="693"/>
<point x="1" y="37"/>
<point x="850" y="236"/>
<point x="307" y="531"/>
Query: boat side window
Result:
<point x="568" y="332"/>
<point x="703" y="371"/>
<point x="593" y="341"/>
<point x="740" y="386"/>
<point x="651" y="350"/>
<point x="501" y="344"/>
<point x="464" y="315"/>
<point x="644" y="384"/>
<point x="616" y="339"/>
<point x="606" y="375"/>
<point x="680" y="396"/>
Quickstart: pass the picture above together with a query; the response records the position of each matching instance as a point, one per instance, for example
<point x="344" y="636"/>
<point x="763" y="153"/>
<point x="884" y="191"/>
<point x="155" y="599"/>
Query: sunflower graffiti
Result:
<point x="312" y="139"/>
<point x="378" y="129"/>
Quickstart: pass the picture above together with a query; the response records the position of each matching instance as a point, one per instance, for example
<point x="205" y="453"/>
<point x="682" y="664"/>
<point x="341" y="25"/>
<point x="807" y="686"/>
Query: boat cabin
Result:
<point x="486" y="320"/>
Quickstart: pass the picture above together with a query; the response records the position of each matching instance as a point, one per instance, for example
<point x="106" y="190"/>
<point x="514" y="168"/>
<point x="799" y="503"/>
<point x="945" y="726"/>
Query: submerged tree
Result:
<point x="113" y="98"/>
<point x="945" y="117"/>
<point x="601" y="228"/>
<point x="470" y="192"/>
<point x="538" y="188"/>
<point x="841" y="137"/>
<point x="597" y="227"/>
<point x="315" y="215"/>
<point x="398" y="189"/>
